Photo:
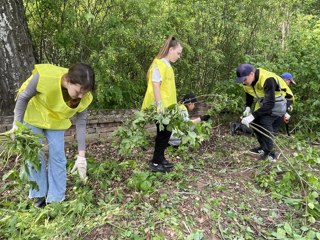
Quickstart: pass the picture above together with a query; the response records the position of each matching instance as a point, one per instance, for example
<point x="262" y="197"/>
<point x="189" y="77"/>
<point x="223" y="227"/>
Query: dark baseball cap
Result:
<point x="243" y="70"/>
<point x="189" y="98"/>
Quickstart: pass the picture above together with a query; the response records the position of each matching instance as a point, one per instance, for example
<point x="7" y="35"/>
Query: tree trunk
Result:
<point x="16" y="52"/>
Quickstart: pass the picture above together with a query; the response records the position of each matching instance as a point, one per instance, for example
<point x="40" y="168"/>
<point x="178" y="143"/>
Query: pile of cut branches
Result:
<point x="23" y="147"/>
<point x="132" y="133"/>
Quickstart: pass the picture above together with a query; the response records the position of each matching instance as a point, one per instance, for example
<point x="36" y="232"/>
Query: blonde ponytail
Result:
<point x="171" y="42"/>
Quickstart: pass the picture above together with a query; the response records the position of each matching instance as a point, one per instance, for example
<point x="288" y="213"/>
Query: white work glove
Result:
<point x="160" y="107"/>
<point x="81" y="166"/>
<point x="246" y="112"/>
<point x="287" y="117"/>
<point x="247" y="120"/>
<point x="12" y="130"/>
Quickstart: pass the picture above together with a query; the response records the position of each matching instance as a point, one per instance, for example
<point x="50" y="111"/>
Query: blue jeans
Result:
<point x="51" y="183"/>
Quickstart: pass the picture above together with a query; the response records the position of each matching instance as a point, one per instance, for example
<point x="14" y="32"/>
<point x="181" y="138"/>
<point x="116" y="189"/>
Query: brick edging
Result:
<point x="100" y="123"/>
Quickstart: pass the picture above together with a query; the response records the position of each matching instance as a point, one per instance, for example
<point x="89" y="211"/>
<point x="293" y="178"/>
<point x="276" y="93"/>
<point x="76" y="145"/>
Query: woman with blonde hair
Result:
<point x="161" y="92"/>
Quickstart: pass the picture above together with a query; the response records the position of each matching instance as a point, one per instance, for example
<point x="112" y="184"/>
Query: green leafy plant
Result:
<point x="287" y="231"/>
<point x="142" y="181"/>
<point x="23" y="146"/>
<point x="295" y="181"/>
<point x="133" y="134"/>
<point x="196" y="235"/>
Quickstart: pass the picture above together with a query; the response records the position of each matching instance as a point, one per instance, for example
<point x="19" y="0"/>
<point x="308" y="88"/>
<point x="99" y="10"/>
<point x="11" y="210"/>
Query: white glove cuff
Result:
<point x="157" y="103"/>
<point x="247" y="111"/>
<point x="81" y="158"/>
<point x="251" y="117"/>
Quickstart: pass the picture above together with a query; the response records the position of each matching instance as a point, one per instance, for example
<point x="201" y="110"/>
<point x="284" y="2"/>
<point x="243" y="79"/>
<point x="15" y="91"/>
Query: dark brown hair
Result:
<point x="83" y="75"/>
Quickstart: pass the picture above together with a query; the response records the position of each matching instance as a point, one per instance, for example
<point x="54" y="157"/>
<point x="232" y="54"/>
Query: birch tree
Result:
<point x="16" y="53"/>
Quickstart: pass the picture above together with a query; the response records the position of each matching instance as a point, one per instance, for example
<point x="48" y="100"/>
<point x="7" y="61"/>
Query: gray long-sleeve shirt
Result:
<point x="30" y="91"/>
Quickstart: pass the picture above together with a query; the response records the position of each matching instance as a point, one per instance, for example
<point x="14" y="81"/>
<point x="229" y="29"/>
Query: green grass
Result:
<point x="217" y="192"/>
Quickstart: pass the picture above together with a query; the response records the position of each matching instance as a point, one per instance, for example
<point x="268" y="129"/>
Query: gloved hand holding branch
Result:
<point x="247" y="120"/>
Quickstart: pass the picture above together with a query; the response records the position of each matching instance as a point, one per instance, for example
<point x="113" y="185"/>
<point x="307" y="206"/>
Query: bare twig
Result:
<point x="301" y="179"/>
<point x="220" y="231"/>
<point x="187" y="227"/>
<point x="259" y="233"/>
<point x="188" y="193"/>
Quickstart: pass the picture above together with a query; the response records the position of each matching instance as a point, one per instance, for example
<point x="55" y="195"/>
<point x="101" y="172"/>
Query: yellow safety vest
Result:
<point x="167" y="87"/>
<point x="258" y="87"/>
<point x="47" y="109"/>
<point x="184" y="111"/>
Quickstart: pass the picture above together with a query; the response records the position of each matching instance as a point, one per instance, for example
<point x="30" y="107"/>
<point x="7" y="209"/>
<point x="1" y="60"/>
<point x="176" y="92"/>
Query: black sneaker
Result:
<point x="167" y="164"/>
<point x="233" y="128"/>
<point x="256" y="151"/>
<point x="158" y="167"/>
<point x="271" y="157"/>
<point x="40" y="202"/>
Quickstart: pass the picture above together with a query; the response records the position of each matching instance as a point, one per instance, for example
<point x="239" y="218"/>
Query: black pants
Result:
<point x="277" y="125"/>
<point x="162" y="140"/>
<point x="266" y="125"/>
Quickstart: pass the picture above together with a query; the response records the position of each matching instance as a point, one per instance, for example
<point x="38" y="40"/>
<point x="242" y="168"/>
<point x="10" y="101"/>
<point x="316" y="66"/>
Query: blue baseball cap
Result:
<point x="243" y="70"/>
<point x="288" y="76"/>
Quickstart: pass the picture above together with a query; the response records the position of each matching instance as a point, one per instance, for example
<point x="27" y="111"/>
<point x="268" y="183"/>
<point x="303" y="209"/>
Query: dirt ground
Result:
<point x="212" y="193"/>
<point x="221" y="195"/>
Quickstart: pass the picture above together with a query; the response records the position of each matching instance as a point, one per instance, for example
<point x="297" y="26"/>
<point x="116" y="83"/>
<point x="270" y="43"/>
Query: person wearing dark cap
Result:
<point x="268" y="90"/>
<point x="188" y="105"/>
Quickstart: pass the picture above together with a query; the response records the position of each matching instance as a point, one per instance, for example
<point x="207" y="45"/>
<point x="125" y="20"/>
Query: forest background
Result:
<point x="120" y="39"/>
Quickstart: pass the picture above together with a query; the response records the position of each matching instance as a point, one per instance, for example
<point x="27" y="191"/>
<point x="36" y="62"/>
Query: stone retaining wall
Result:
<point x="101" y="124"/>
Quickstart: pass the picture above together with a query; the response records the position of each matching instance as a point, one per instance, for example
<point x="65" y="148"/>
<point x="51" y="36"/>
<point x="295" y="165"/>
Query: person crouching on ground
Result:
<point x="187" y="106"/>
<point x="265" y="86"/>
<point x="288" y="78"/>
